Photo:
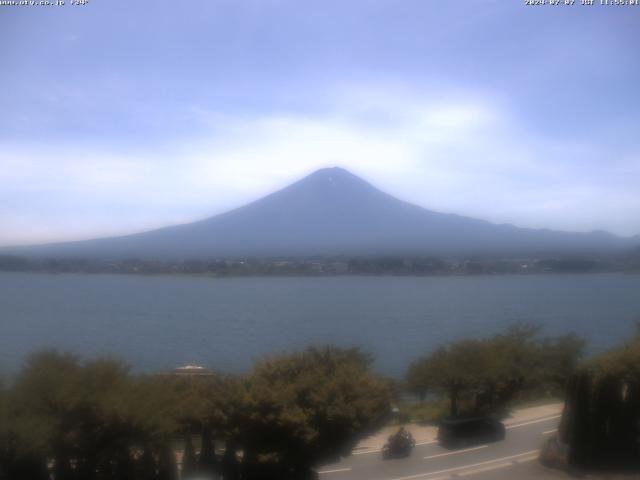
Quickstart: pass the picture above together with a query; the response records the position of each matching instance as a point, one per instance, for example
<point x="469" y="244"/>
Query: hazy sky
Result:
<point x="122" y="115"/>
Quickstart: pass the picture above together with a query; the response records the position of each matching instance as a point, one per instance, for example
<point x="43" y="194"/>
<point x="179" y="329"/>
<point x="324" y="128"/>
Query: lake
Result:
<point x="159" y="322"/>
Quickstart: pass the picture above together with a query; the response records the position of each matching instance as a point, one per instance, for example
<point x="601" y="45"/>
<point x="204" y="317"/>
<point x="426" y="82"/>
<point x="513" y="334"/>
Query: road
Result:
<point x="429" y="461"/>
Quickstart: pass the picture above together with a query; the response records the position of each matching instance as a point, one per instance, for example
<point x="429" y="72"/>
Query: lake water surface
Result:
<point x="162" y="322"/>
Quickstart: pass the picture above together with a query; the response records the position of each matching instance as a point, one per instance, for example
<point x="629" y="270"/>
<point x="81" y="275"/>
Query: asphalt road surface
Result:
<point x="430" y="461"/>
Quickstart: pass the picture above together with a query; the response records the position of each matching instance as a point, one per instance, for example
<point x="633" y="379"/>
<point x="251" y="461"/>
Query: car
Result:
<point x="461" y="432"/>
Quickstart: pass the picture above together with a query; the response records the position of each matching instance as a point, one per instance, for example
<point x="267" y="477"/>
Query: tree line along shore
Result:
<point x="69" y="418"/>
<point x="318" y="266"/>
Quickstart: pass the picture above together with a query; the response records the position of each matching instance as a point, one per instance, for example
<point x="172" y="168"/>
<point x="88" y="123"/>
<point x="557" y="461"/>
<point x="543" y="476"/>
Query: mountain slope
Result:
<point x="332" y="212"/>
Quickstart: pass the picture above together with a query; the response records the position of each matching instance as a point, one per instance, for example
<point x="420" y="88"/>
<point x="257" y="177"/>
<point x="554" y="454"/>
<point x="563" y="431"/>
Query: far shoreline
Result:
<point x="325" y="276"/>
<point x="329" y="266"/>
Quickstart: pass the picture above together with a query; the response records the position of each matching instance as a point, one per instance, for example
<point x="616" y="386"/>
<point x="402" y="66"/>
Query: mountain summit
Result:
<point x="333" y="212"/>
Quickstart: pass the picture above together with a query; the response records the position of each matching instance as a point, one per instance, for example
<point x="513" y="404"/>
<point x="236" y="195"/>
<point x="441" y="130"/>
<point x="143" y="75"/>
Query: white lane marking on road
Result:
<point x="497" y="466"/>
<point x="456" y="452"/>
<point x="322" y="472"/>
<point x="549" y="431"/>
<point x="365" y="452"/>
<point x="430" y="442"/>
<point x="462" y="467"/>
<point x="539" y="420"/>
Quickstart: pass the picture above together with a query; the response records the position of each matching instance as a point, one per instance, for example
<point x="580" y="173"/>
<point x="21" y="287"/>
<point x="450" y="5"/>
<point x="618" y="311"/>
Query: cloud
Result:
<point x="455" y="153"/>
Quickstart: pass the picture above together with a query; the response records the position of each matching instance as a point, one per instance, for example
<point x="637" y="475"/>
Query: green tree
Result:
<point x="308" y="407"/>
<point x="93" y="414"/>
<point x="515" y="363"/>
<point x="207" y="405"/>
<point x="456" y="370"/>
<point x="45" y="404"/>
<point x="188" y="456"/>
<point x="4" y="430"/>
<point x="601" y="418"/>
<point x="167" y="468"/>
<point x="560" y="359"/>
<point x="490" y="373"/>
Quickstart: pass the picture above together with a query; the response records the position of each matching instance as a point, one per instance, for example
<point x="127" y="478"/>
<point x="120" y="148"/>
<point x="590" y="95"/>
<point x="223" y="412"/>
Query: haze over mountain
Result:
<point x="333" y="212"/>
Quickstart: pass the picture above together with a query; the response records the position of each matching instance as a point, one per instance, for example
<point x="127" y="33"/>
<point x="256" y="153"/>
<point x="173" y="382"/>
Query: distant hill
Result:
<point x="333" y="212"/>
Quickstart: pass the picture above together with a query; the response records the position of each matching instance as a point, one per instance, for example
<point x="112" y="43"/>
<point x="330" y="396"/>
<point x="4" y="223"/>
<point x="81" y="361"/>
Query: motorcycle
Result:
<point x="399" y="445"/>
